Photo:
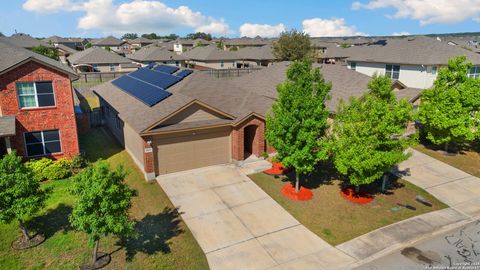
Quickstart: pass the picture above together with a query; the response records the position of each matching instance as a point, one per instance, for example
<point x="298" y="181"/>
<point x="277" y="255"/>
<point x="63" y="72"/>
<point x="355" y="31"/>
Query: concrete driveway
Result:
<point x="239" y="226"/>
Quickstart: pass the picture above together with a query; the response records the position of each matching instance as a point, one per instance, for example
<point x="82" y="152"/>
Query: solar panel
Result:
<point x="156" y="78"/>
<point x="146" y="93"/>
<point x="184" y="73"/>
<point x="166" y="69"/>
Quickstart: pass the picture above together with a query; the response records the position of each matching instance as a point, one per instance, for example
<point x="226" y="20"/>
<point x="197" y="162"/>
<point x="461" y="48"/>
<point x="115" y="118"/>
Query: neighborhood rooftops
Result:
<point x="109" y="41"/>
<point x="256" y="53"/>
<point x="154" y="53"/>
<point x="96" y="56"/>
<point x="210" y="53"/>
<point x="244" y="41"/>
<point x="26" y="41"/>
<point x="12" y="55"/>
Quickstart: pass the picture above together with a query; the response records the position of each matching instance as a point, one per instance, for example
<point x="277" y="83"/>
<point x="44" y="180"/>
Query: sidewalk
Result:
<point x="452" y="186"/>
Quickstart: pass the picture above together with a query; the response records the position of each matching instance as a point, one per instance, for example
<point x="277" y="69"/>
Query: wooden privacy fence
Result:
<point x="99" y="76"/>
<point x="230" y="72"/>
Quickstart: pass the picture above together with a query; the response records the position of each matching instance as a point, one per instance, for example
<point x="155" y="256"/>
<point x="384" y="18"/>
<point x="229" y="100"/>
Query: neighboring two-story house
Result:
<point x="37" y="116"/>
<point x="114" y="44"/>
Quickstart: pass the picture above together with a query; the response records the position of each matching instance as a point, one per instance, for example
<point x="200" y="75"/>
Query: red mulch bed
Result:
<point x="304" y="194"/>
<point x="277" y="169"/>
<point x="358" y="198"/>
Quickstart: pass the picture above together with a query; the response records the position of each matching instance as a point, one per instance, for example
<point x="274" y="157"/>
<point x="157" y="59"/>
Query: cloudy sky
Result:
<point x="267" y="18"/>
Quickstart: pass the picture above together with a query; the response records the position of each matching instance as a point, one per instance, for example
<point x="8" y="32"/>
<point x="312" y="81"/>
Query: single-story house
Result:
<point x="152" y="54"/>
<point x="200" y="120"/>
<point x="77" y="44"/>
<point x="211" y="57"/>
<point x="255" y="56"/>
<point x="100" y="60"/>
<point x="114" y="44"/>
<point x="141" y="42"/>
<point x="243" y="42"/>
<point x="182" y="45"/>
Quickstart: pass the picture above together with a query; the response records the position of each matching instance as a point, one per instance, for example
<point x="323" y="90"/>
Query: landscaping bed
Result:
<point x="335" y="219"/>
<point x="466" y="159"/>
<point x="163" y="242"/>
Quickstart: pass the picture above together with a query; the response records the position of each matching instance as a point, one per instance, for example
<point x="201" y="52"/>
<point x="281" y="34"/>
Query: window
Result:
<point x="353" y="66"/>
<point x="40" y="143"/>
<point x="177" y="63"/>
<point x="392" y="71"/>
<point x="221" y="64"/>
<point x="112" y="67"/>
<point x="35" y="94"/>
<point x="95" y="67"/>
<point x="474" y="72"/>
<point x="434" y="70"/>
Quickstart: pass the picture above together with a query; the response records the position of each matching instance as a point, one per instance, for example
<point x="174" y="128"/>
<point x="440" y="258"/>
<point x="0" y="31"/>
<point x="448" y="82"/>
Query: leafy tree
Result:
<point x="298" y="120"/>
<point x="292" y="45"/>
<point x="199" y="44"/>
<point x="20" y="194"/>
<point x="1" y="34"/>
<point x="220" y="45"/>
<point x="367" y="139"/>
<point x="449" y="112"/>
<point x="345" y="45"/>
<point x="103" y="203"/>
<point x="129" y="36"/>
<point x="201" y="35"/>
<point x="234" y="48"/>
<point x="88" y="45"/>
<point x="46" y="51"/>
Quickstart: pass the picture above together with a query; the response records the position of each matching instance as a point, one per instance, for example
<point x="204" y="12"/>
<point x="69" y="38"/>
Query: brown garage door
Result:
<point x="189" y="151"/>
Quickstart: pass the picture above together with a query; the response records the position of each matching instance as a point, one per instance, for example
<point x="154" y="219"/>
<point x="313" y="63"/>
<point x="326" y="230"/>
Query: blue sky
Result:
<point x="95" y="18"/>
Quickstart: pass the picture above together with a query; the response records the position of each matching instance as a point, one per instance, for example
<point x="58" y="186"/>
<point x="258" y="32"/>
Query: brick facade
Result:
<point x="61" y="116"/>
<point x="238" y="135"/>
<point x="148" y="156"/>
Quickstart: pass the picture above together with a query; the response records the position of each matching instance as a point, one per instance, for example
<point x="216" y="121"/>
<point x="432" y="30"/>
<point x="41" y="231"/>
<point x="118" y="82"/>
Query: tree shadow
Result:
<point x="453" y="149"/>
<point x="153" y="233"/>
<point x="324" y="174"/>
<point x="53" y="221"/>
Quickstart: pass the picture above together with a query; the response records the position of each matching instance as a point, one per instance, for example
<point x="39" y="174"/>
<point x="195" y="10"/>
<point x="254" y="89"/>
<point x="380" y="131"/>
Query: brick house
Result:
<point x="36" y="105"/>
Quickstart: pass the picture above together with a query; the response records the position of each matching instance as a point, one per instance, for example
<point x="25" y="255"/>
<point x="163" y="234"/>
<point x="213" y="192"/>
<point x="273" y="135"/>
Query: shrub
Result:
<point x="78" y="162"/>
<point x="37" y="166"/>
<point x="59" y="169"/>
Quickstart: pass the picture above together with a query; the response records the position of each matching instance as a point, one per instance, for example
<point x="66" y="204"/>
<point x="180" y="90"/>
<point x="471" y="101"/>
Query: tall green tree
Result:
<point x="46" y="51"/>
<point x="293" y="45"/>
<point x="20" y="194"/>
<point x="201" y="35"/>
<point x="103" y="203"/>
<point x="449" y="111"/>
<point x="129" y="36"/>
<point x="367" y="136"/>
<point x="297" y="123"/>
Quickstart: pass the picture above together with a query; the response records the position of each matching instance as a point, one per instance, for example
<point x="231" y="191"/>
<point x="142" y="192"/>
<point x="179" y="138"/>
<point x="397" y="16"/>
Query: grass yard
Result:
<point x="163" y="242"/>
<point x="337" y="220"/>
<point x="467" y="160"/>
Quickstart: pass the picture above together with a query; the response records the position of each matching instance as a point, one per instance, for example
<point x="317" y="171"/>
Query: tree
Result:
<point x="234" y="48"/>
<point x="198" y="44"/>
<point x="220" y="45"/>
<point x="103" y="203"/>
<point x="129" y="36"/>
<point x="449" y="112"/>
<point x="367" y="136"/>
<point x="297" y="123"/>
<point x="293" y="45"/>
<point x="20" y="194"/>
<point x="88" y="45"/>
<point x="46" y="51"/>
<point x="201" y="35"/>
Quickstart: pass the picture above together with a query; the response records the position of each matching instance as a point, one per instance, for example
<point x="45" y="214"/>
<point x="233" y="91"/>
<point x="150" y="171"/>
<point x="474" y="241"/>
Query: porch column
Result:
<point x="8" y="145"/>
<point x="148" y="159"/>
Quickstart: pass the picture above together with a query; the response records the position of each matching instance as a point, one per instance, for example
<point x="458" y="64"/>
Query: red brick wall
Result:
<point x="61" y="117"/>
<point x="238" y="138"/>
<point x="148" y="158"/>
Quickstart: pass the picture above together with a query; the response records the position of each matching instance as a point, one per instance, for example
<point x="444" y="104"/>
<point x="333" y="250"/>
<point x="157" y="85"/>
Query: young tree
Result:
<point x="46" y="51"/>
<point x="298" y="120"/>
<point x="449" y="112"/>
<point x="201" y="35"/>
<point x="367" y="139"/>
<point x="129" y="36"/>
<point x="20" y="194"/>
<point x="103" y="203"/>
<point x="292" y="45"/>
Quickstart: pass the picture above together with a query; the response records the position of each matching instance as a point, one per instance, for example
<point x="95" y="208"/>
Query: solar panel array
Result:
<point x="149" y="84"/>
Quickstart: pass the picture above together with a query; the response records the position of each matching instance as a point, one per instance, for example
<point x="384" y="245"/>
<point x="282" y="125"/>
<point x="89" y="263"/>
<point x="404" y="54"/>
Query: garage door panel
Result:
<point x="192" y="151"/>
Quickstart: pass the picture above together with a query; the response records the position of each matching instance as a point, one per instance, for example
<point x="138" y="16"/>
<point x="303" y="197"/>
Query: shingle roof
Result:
<point x="96" y="56"/>
<point x="191" y="42"/>
<point x="26" y="41"/>
<point x="11" y="55"/>
<point x="210" y="53"/>
<point x="142" y="40"/>
<point x="257" y="53"/>
<point x="246" y="42"/>
<point x="59" y="40"/>
<point x="417" y="50"/>
<point x="154" y="53"/>
<point x="66" y="49"/>
<point x="109" y="41"/>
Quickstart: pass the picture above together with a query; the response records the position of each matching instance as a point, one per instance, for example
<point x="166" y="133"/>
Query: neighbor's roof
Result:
<point x="256" y="53"/>
<point x="96" y="56"/>
<point x="191" y="42"/>
<point x="66" y="49"/>
<point x="246" y="42"/>
<point x="26" y="41"/>
<point x="142" y="40"/>
<point x="153" y="53"/>
<point x="109" y="41"/>
<point x="12" y="55"/>
<point x="57" y="39"/>
<point x="419" y="50"/>
<point x="210" y="53"/>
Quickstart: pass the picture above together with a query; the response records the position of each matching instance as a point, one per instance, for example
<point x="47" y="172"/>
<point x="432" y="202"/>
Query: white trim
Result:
<point x="35" y="94"/>
<point x="43" y="143"/>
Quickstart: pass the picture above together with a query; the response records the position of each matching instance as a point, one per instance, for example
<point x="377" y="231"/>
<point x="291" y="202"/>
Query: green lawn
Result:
<point x="163" y="242"/>
<point x="337" y="220"/>
<point x="467" y="160"/>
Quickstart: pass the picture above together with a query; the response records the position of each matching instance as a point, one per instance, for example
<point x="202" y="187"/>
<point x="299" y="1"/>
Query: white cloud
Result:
<point x="263" y="30"/>
<point x="134" y="16"/>
<point x="317" y="27"/>
<point x="402" y="33"/>
<point x="427" y="11"/>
